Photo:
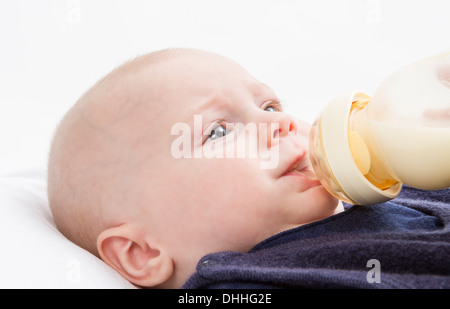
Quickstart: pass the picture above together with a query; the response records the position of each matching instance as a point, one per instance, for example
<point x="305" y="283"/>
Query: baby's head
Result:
<point x="128" y="184"/>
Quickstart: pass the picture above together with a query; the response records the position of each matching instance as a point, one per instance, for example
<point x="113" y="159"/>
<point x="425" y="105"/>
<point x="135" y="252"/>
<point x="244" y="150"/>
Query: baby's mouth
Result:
<point x="306" y="171"/>
<point x="300" y="168"/>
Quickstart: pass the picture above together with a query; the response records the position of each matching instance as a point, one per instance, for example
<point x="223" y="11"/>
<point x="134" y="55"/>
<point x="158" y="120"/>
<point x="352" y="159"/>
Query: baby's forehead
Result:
<point x="187" y="75"/>
<point x="174" y="86"/>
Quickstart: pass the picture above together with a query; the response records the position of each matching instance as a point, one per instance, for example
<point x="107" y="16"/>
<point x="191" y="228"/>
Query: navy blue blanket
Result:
<point x="404" y="243"/>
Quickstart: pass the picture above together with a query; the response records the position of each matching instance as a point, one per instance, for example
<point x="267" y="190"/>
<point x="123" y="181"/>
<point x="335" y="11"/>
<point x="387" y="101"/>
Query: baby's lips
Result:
<point x="309" y="172"/>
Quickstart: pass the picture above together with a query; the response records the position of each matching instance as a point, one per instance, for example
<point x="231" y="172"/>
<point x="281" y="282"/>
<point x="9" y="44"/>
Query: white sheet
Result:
<point x="34" y="254"/>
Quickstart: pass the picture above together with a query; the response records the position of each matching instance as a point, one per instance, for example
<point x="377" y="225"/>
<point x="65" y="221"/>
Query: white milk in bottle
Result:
<point x="363" y="149"/>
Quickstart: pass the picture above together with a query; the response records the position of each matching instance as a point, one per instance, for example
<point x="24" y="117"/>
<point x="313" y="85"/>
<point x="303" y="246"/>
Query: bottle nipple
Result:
<point x="358" y="148"/>
<point x="360" y="152"/>
<point x="342" y="156"/>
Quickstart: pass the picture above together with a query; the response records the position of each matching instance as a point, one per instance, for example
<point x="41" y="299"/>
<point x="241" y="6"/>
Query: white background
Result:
<point x="308" y="51"/>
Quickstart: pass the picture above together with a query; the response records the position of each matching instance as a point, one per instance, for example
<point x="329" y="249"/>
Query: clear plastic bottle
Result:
<point x="363" y="149"/>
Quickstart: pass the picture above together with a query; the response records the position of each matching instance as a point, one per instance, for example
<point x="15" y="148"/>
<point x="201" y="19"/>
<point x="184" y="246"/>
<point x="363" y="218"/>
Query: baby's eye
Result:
<point x="270" y="109"/>
<point x="218" y="132"/>
<point x="272" y="106"/>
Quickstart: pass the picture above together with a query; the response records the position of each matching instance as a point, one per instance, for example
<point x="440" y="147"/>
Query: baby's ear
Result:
<point x="126" y="250"/>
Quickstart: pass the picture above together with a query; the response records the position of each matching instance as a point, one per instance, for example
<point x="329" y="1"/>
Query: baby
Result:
<point x="118" y="189"/>
<point x="155" y="171"/>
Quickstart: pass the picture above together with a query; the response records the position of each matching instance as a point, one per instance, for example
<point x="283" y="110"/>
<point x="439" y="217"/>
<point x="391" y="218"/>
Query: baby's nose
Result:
<point x="280" y="126"/>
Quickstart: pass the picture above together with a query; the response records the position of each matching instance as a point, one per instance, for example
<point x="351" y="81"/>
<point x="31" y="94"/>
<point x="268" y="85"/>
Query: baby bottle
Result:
<point x="363" y="149"/>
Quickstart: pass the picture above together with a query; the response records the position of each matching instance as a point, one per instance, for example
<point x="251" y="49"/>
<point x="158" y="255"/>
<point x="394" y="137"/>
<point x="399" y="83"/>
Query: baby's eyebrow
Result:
<point x="212" y="102"/>
<point x="218" y="102"/>
<point x="260" y="87"/>
<point x="263" y="85"/>
<point x="208" y="104"/>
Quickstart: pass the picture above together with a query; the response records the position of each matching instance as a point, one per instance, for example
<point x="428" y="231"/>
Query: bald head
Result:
<point x="99" y="147"/>
<point x="116" y="189"/>
<point x="115" y="142"/>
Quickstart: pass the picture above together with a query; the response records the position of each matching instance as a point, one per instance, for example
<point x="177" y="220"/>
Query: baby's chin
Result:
<point x="318" y="204"/>
<point x="331" y="205"/>
<point x="326" y="197"/>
